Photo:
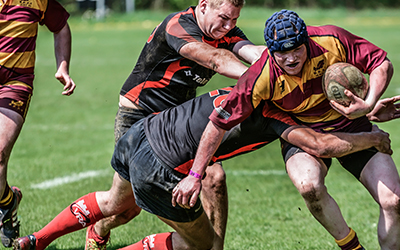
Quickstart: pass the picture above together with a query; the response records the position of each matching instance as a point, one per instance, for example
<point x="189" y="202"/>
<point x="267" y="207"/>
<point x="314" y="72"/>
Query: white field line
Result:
<point x="69" y="179"/>
<point x="94" y="173"/>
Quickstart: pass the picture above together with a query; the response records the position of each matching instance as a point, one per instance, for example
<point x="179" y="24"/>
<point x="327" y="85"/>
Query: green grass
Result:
<point x="70" y="135"/>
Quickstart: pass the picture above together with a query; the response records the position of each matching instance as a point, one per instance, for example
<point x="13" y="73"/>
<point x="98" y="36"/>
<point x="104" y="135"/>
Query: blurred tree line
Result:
<point x="175" y="5"/>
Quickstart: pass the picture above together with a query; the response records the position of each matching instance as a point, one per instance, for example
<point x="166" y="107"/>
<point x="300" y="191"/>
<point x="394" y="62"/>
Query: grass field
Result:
<point x="71" y="138"/>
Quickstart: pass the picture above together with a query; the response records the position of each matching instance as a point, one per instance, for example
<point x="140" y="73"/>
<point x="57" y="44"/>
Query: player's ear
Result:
<point x="203" y="5"/>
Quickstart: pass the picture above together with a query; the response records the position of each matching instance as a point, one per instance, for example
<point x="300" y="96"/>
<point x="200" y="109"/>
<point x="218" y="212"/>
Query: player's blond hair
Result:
<point x="217" y="3"/>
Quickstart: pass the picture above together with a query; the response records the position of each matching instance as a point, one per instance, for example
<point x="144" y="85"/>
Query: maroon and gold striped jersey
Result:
<point x="301" y="97"/>
<point x="162" y="78"/>
<point x="19" y="21"/>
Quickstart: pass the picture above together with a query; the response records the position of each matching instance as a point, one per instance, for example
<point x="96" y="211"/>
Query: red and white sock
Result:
<point x="80" y="214"/>
<point x="162" y="241"/>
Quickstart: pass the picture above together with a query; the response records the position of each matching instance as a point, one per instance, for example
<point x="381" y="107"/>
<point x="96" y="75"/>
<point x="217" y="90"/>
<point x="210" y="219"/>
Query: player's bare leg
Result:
<point x="214" y="197"/>
<point x="308" y="174"/>
<point x="118" y="205"/>
<point x="10" y="126"/>
<point x="382" y="180"/>
<point x="198" y="234"/>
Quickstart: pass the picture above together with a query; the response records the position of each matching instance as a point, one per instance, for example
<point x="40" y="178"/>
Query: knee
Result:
<point x="215" y="178"/>
<point x="129" y="214"/>
<point x="391" y="204"/>
<point x="312" y="192"/>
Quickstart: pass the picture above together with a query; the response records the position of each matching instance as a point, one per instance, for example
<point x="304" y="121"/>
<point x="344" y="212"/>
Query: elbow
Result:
<point x="215" y="62"/>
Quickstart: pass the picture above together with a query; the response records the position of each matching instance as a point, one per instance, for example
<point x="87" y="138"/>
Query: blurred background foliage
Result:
<point x="76" y="7"/>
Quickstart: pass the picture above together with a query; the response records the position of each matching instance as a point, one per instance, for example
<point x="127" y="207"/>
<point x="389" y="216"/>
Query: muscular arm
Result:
<point x="186" y="192"/>
<point x="336" y="144"/>
<point x="62" y="48"/>
<point x="248" y="52"/>
<point x="222" y="61"/>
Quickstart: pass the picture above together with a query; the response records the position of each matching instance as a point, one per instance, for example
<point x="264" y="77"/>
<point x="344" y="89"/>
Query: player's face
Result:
<point x="219" y="21"/>
<point x="292" y="61"/>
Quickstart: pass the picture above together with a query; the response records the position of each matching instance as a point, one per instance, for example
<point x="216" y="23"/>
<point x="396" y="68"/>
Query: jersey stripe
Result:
<point x="11" y="44"/>
<point x="242" y="150"/>
<point x="18" y="60"/>
<point x="18" y="29"/>
<point x="133" y="94"/>
<point x="20" y="13"/>
<point x="175" y="28"/>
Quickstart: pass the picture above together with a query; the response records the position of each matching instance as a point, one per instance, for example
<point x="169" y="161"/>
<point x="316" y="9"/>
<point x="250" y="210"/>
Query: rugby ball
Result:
<point x="341" y="76"/>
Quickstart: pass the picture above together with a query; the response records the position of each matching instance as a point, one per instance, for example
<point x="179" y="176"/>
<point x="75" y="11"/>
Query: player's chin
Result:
<point x="293" y="70"/>
<point x="218" y="34"/>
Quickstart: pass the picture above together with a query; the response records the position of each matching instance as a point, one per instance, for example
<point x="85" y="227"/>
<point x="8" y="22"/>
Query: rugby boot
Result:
<point x="9" y="223"/>
<point x="94" y="241"/>
<point x="25" y="243"/>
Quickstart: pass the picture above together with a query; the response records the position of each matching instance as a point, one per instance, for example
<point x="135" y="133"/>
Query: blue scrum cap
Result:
<point x="284" y="31"/>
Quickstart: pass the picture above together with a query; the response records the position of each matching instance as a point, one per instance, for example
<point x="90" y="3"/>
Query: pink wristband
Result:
<point x="198" y="176"/>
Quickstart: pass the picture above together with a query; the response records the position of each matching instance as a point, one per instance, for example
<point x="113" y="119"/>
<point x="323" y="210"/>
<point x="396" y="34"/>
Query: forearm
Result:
<point x="222" y="61"/>
<point x="341" y="144"/>
<point x="62" y="48"/>
<point x="331" y="145"/>
<point x="379" y="80"/>
<point x="248" y="52"/>
<point x="209" y="143"/>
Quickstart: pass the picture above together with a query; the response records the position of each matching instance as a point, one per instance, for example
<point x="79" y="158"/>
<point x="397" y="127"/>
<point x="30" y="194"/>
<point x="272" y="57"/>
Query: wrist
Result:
<point x="196" y="175"/>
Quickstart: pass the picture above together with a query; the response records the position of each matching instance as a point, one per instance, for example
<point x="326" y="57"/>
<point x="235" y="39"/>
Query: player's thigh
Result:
<point x="306" y="171"/>
<point x="381" y="178"/>
<point x="10" y="127"/>
<point x="118" y="199"/>
<point x="198" y="234"/>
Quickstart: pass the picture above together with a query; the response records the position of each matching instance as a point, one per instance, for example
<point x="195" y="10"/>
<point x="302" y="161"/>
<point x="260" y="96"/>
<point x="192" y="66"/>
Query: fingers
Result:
<point x="182" y="198"/>
<point x="193" y="199"/>
<point x="396" y="98"/>
<point x="69" y="85"/>
<point x="350" y="95"/>
<point x="69" y="88"/>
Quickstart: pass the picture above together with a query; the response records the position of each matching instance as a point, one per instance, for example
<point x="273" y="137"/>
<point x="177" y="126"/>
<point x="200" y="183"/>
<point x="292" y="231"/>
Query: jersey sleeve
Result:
<point x="182" y="29"/>
<point x="234" y="36"/>
<point x="252" y="87"/>
<point x="280" y="120"/>
<point x="360" y="52"/>
<point x="55" y="16"/>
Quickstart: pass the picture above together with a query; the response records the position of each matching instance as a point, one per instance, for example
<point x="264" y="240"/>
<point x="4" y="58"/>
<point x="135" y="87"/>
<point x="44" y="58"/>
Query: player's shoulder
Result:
<point x="181" y="18"/>
<point x="326" y="30"/>
<point x="182" y="24"/>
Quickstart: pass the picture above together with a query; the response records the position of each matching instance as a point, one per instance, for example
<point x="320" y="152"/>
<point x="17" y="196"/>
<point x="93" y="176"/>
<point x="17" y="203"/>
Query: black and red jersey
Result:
<point x="162" y="78"/>
<point x="174" y="134"/>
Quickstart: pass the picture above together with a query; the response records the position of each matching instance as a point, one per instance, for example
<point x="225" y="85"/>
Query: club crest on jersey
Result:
<point x="25" y="3"/>
<point x="319" y="70"/>
<point x="79" y="209"/>
<point x="18" y="104"/>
